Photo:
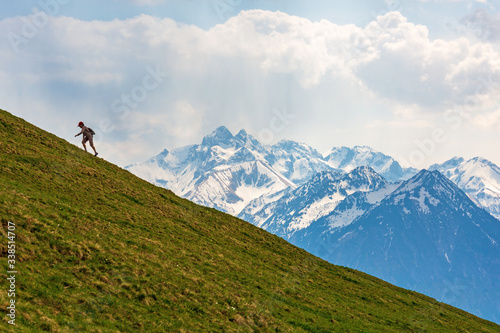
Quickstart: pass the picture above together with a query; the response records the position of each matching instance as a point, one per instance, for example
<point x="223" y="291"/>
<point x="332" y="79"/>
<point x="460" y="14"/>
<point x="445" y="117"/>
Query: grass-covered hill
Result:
<point x="100" y="250"/>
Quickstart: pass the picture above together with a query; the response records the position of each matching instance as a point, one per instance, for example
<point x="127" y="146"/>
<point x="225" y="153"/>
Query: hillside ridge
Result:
<point x="100" y="250"/>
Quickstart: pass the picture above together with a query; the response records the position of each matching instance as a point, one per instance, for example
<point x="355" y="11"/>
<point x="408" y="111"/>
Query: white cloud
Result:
<point x="330" y="76"/>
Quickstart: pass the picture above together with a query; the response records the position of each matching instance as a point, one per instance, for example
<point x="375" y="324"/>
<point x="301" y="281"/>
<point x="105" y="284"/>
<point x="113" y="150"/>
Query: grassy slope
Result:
<point x="100" y="250"/>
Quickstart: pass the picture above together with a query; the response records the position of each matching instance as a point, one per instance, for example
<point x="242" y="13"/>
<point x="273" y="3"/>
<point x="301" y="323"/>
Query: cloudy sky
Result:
<point x="417" y="80"/>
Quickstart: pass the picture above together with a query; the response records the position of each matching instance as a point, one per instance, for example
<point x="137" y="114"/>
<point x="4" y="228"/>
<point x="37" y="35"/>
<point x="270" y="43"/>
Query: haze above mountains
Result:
<point x="435" y="231"/>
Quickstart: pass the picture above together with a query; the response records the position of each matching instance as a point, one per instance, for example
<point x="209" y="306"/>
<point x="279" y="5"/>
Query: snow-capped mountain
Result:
<point x="224" y="171"/>
<point x="297" y="209"/>
<point x="229" y="172"/>
<point x="347" y="159"/>
<point x="477" y="177"/>
<point x="428" y="236"/>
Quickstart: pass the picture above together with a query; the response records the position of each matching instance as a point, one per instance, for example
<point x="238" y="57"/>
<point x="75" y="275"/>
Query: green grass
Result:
<point x="100" y="250"/>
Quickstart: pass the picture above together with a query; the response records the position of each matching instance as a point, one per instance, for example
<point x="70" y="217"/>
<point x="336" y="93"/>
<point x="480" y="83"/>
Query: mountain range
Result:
<point x="237" y="174"/>
<point x="326" y="203"/>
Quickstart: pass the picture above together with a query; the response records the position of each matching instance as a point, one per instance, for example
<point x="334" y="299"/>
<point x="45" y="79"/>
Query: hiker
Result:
<point x="88" y="135"/>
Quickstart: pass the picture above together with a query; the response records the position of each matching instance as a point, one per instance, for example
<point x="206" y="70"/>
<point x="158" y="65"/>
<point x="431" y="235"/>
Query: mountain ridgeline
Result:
<point x="229" y="172"/>
<point x="428" y="231"/>
<point x="100" y="250"/>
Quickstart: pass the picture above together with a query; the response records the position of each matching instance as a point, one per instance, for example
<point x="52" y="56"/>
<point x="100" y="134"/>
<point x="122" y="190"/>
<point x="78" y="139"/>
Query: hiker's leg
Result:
<point x="91" y="142"/>
<point x="84" y="141"/>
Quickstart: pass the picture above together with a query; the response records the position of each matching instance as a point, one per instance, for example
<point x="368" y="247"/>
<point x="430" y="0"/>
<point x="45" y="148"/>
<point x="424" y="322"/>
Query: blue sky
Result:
<point x="207" y="13"/>
<point x="417" y="80"/>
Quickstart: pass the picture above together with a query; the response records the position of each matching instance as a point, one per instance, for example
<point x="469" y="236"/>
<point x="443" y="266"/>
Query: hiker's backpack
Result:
<point x="91" y="131"/>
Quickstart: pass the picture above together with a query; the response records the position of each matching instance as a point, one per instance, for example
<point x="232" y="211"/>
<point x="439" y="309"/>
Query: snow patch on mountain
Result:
<point x="315" y="211"/>
<point x="423" y="199"/>
<point x="376" y="196"/>
<point x="344" y="218"/>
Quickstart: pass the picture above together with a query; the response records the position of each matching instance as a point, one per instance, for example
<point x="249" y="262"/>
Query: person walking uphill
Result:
<point x="88" y="135"/>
